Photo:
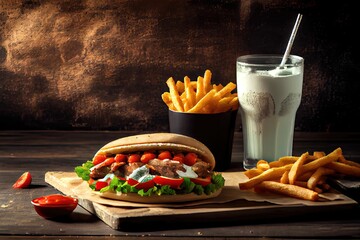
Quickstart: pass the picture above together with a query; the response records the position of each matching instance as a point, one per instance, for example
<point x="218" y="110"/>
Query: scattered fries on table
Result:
<point x="200" y="96"/>
<point x="302" y="177"/>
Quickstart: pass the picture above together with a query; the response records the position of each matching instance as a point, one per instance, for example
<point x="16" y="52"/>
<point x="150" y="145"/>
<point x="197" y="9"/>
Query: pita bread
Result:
<point x="159" y="141"/>
<point x="134" y="197"/>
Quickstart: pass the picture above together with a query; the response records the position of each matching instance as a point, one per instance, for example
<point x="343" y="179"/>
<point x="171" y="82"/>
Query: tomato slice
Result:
<point x="99" y="159"/>
<point x="201" y="181"/>
<point x="147" y="156"/>
<point x="172" y="182"/>
<point x="134" y="158"/>
<point x="99" y="185"/>
<point x="179" y="157"/>
<point x="105" y="163"/>
<point x="164" y="155"/>
<point x="120" y="157"/>
<point x="23" y="181"/>
<point x="140" y="185"/>
<point x="145" y="185"/>
<point x="132" y="182"/>
<point x="190" y="159"/>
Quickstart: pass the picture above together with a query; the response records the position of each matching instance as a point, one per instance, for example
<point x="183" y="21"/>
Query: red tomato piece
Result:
<point x="179" y="157"/>
<point x="134" y="158"/>
<point x="147" y="156"/>
<point x="145" y="185"/>
<point x="139" y="185"/>
<point x="99" y="159"/>
<point x="201" y="181"/>
<point x="107" y="162"/>
<point x="190" y="159"/>
<point x="120" y="157"/>
<point x="172" y="182"/>
<point x="121" y="178"/>
<point x="23" y="181"/>
<point x="132" y="182"/>
<point x="164" y="155"/>
<point x="99" y="185"/>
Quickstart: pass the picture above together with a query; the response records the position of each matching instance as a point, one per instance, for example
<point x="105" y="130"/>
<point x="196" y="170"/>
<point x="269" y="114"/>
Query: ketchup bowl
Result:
<point x="55" y="205"/>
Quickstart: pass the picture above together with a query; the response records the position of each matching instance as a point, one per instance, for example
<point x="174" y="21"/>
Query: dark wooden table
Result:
<point x="42" y="151"/>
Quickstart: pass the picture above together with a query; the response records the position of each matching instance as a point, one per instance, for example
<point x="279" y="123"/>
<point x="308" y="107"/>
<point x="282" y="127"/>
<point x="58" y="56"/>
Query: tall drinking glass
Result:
<point x="269" y="97"/>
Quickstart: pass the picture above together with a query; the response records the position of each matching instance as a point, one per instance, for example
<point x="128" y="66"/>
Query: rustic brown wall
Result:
<point x="103" y="64"/>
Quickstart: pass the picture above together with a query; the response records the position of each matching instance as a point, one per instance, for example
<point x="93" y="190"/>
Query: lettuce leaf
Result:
<point x="217" y="182"/>
<point x="83" y="171"/>
<point x="187" y="186"/>
<point x="117" y="185"/>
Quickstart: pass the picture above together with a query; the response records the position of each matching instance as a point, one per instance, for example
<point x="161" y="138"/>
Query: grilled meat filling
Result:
<point x="166" y="168"/>
<point x="202" y="169"/>
<point x="99" y="173"/>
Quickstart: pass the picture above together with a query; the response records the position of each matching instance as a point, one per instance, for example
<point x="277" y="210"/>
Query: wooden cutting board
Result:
<point x="214" y="212"/>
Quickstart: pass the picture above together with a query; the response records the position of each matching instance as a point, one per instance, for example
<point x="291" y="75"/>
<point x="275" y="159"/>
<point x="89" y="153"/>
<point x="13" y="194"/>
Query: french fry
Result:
<point x="269" y="174"/>
<point x="319" y="154"/>
<point x="288" y="160"/>
<point x="285" y="177"/>
<point x="227" y="89"/>
<point x="300" y="184"/>
<point x="348" y="162"/>
<point x="167" y="100"/>
<point x="200" y="90"/>
<point x="344" y="169"/>
<point x="186" y="105"/>
<point x="180" y="86"/>
<point x="184" y="101"/>
<point x="283" y="161"/>
<point x="190" y="93"/>
<point x="234" y="103"/>
<point x="175" y="98"/>
<point x="252" y="172"/>
<point x="325" y="186"/>
<point x="290" y="190"/>
<point x="262" y="165"/>
<point x="316" y="177"/>
<point x="318" y="190"/>
<point x="218" y="87"/>
<point x="304" y="185"/>
<point x="227" y="103"/>
<point x="223" y="105"/>
<point x="184" y="96"/>
<point x="203" y="102"/>
<point x="307" y="174"/>
<point x="207" y="81"/>
<point x="331" y="157"/>
<point x="297" y="167"/>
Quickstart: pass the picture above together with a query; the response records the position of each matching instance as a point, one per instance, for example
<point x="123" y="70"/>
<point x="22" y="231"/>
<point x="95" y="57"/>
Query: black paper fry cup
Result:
<point x="215" y="130"/>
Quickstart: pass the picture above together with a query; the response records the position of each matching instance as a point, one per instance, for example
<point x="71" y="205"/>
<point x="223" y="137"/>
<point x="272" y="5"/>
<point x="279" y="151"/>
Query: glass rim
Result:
<point x="243" y="60"/>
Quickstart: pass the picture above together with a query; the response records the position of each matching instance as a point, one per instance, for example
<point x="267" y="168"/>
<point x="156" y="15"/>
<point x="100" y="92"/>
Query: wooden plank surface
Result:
<point x="123" y="217"/>
<point x="39" y="152"/>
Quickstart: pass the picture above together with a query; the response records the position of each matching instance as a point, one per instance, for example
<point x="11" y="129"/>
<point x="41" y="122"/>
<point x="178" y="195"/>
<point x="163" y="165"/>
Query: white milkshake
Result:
<point x="269" y="99"/>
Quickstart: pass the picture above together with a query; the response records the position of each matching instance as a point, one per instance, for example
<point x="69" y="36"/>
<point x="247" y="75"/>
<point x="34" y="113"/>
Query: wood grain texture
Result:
<point x="101" y="65"/>
<point x="239" y="210"/>
<point x="18" y="220"/>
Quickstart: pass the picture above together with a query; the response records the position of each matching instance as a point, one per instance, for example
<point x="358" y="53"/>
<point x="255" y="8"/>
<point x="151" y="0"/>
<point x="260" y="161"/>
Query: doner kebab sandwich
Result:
<point x="153" y="168"/>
